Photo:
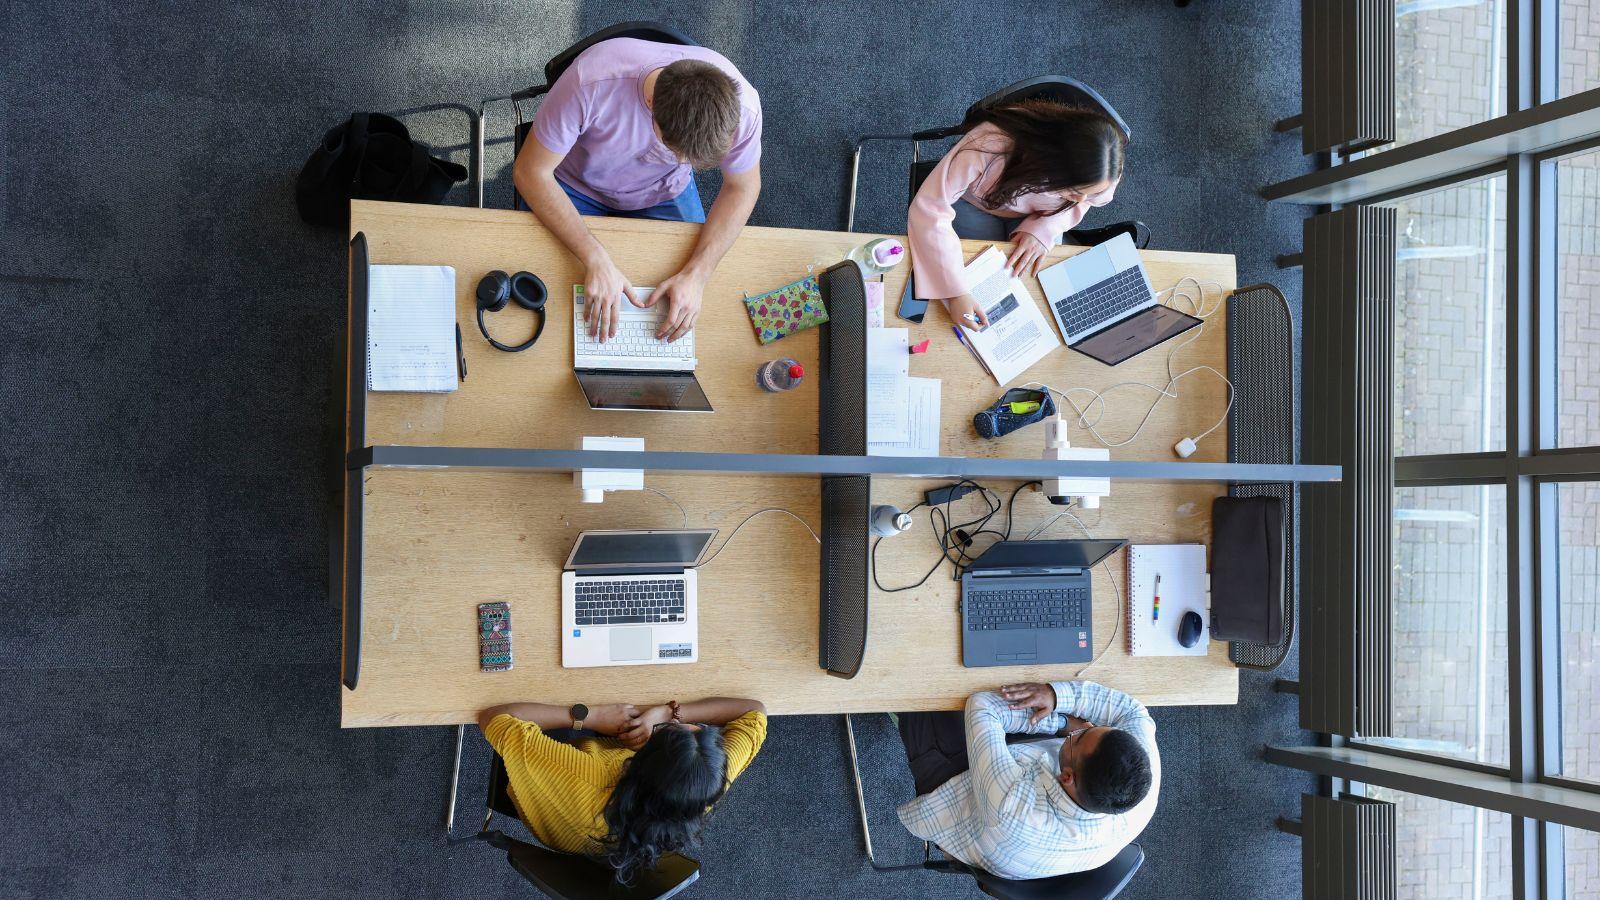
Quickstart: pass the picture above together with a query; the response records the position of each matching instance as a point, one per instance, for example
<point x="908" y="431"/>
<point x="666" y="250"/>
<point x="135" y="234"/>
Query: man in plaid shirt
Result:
<point x="1041" y="808"/>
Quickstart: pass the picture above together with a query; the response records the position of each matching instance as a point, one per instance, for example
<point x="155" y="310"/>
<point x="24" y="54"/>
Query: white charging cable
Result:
<point x="1097" y="401"/>
<point x="770" y="509"/>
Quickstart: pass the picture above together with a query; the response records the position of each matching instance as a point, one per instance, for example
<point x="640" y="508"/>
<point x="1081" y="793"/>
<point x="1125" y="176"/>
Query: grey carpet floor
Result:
<point x="169" y="711"/>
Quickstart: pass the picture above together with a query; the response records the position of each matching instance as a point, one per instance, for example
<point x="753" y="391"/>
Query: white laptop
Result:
<point x="628" y="598"/>
<point x="635" y="370"/>
<point x="1103" y="304"/>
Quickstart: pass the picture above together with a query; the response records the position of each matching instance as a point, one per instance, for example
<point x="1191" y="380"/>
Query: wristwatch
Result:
<point x="579" y="713"/>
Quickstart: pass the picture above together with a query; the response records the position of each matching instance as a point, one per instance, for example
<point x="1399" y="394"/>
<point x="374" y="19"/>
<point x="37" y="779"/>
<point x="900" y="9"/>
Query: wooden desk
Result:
<point x="437" y="543"/>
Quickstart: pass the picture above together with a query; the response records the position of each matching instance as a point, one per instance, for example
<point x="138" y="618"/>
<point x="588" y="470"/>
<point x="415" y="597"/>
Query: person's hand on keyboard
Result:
<point x="604" y="286"/>
<point x="682" y="293"/>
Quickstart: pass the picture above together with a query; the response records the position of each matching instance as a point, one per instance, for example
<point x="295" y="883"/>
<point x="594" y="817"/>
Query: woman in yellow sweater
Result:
<point x="639" y="788"/>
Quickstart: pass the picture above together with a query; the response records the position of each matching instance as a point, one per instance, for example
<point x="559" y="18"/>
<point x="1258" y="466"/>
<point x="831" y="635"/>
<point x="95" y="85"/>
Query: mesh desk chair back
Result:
<point x="558" y="64"/>
<point x="566" y="876"/>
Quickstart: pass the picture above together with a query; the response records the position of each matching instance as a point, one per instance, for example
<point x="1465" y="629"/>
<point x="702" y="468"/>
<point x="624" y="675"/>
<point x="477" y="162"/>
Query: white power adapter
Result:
<point x="594" y="483"/>
<point x="1087" y="491"/>
<point x="1184" y="448"/>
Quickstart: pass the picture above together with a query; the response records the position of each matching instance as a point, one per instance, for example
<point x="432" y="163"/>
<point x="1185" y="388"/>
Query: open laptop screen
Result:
<point x="649" y="391"/>
<point x="1135" y="334"/>
<point x="653" y="549"/>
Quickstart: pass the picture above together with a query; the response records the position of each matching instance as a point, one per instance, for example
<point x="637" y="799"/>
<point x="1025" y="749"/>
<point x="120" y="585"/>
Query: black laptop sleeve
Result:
<point x="1247" y="566"/>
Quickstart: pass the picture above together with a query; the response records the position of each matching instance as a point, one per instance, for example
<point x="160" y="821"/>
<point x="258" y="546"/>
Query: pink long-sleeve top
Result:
<point x="968" y="172"/>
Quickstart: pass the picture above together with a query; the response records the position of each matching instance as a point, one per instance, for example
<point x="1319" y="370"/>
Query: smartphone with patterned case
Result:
<point x="494" y="636"/>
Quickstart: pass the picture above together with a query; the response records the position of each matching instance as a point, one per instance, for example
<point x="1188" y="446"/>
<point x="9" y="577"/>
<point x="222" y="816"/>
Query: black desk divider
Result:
<point x="355" y="439"/>
<point x="846" y="499"/>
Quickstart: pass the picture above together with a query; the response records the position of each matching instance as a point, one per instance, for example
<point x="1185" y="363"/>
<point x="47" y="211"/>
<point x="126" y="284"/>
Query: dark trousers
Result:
<point x="936" y="746"/>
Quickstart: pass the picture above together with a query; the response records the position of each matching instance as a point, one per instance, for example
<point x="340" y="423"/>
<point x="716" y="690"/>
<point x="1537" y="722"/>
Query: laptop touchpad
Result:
<point x="630" y="644"/>
<point x="1015" y="644"/>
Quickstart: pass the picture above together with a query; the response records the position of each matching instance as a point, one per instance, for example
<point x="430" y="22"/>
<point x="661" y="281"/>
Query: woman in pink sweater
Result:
<point x="1028" y="170"/>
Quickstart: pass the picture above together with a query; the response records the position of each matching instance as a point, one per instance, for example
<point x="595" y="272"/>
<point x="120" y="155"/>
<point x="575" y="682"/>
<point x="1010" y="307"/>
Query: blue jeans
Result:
<point x="685" y="207"/>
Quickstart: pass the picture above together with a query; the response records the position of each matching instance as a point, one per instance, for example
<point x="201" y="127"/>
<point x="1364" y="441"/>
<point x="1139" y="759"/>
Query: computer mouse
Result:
<point x="1189" y="628"/>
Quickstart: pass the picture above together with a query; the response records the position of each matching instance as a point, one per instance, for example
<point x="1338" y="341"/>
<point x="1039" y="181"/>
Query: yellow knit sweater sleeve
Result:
<point x="559" y="789"/>
<point x="742" y="739"/>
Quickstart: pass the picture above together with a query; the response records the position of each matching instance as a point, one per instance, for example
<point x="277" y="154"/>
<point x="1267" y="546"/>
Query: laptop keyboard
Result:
<point x="602" y="601"/>
<point x="636" y="338"/>
<point x="1103" y="302"/>
<point x="1027" y="608"/>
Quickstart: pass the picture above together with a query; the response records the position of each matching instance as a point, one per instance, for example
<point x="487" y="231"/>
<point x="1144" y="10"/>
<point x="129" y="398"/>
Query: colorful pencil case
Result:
<point x="791" y="308"/>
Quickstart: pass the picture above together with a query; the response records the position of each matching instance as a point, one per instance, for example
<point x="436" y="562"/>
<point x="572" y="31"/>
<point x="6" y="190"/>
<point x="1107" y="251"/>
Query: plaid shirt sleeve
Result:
<point x="1101" y="705"/>
<point x="995" y="772"/>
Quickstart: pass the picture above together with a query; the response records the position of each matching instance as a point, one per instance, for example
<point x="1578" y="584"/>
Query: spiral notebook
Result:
<point x="411" y="329"/>
<point x="1184" y="586"/>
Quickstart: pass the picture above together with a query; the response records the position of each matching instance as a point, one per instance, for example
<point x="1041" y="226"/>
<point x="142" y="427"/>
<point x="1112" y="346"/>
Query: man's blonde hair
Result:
<point x="696" y="106"/>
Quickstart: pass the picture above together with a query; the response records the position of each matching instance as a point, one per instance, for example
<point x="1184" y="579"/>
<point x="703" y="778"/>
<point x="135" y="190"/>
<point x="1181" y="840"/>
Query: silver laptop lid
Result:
<point x="1088" y="269"/>
<point x="614" y="551"/>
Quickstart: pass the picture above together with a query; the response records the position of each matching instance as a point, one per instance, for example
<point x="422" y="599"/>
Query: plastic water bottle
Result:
<point x="780" y="375"/>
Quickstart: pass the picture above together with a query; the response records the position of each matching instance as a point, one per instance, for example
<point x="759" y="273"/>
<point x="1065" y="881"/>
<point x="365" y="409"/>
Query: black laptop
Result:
<point x="1030" y="603"/>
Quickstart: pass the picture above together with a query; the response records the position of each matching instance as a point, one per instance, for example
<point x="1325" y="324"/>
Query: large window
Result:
<point x="1578" y="295"/>
<point x="1447" y="849"/>
<point x="1578" y="603"/>
<point x="1582" y="851"/>
<point x="1494" y="623"/>
<point x="1449" y="621"/>
<point x="1580" y="46"/>
<point x="1450" y="65"/>
<point x="1450" y="320"/>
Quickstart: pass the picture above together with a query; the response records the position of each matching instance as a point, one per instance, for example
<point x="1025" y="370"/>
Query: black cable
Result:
<point x="945" y="533"/>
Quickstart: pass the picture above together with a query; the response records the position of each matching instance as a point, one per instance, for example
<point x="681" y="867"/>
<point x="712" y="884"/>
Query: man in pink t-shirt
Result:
<point x="621" y="133"/>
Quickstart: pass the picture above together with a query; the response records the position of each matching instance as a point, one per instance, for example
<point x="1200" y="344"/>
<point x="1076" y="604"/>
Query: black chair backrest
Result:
<point x="569" y="877"/>
<point x="1058" y="88"/>
<point x="644" y="31"/>
<point x="1096" y="884"/>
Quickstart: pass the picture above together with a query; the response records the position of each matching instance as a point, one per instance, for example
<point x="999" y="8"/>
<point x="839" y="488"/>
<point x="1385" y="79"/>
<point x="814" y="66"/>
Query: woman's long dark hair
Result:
<point x="1054" y="147"/>
<point x="659" y="804"/>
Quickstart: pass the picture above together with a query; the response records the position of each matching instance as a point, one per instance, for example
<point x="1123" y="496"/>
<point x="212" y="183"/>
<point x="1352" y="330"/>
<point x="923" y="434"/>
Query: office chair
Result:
<point x="644" y="31"/>
<point x="1058" y="88"/>
<point x="1103" y="883"/>
<point x="567" y="876"/>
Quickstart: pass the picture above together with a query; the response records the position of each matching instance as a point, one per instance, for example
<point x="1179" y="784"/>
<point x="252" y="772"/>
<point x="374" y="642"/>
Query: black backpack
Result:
<point x="370" y="157"/>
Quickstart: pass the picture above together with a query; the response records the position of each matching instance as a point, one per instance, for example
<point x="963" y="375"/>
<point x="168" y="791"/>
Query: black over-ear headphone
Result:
<point x="497" y="288"/>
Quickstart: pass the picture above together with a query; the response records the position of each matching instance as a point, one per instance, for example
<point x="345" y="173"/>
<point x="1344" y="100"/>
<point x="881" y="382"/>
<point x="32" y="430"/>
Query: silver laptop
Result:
<point x="1104" y="306"/>
<point x="628" y="598"/>
<point x="635" y="370"/>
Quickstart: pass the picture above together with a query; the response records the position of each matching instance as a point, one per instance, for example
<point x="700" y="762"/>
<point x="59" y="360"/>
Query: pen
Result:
<point x="1156" y="616"/>
<point x="461" y="357"/>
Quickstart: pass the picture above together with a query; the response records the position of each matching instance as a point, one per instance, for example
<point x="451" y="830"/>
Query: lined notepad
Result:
<point x="411" y="329"/>
<point x="1184" y="584"/>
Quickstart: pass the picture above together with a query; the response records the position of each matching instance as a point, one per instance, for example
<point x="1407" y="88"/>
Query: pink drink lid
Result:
<point x="887" y="252"/>
<point x="797" y="371"/>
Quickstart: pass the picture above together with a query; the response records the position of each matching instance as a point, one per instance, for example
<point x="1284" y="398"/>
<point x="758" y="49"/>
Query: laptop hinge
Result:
<point x="632" y="570"/>
<point x="1030" y="572"/>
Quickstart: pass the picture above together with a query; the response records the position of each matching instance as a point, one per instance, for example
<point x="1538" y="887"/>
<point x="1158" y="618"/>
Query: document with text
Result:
<point x="1017" y="335"/>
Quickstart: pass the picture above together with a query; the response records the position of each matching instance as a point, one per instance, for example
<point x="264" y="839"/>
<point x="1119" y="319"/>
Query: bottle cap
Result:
<point x="797" y="371"/>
